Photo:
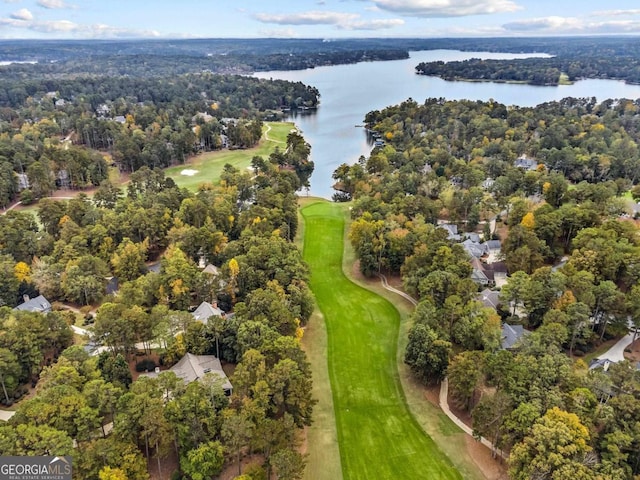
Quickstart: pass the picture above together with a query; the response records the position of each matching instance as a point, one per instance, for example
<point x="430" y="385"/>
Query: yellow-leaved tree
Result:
<point x="528" y="221"/>
<point x="22" y="272"/>
<point x="234" y="270"/>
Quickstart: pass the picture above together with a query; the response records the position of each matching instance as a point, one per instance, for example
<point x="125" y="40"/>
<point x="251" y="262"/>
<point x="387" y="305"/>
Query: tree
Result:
<point x="193" y="417"/>
<point x="9" y="284"/>
<point x="114" y="369"/>
<point x="203" y="462"/>
<point x="84" y="280"/>
<point x="178" y="275"/>
<point x="557" y="445"/>
<point x="465" y="373"/>
<point x="289" y="464"/>
<point x="31" y="440"/>
<point x="9" y="371"/>
<point x="236" y="432"/>
<point x="128" y="260"/>
<point x="110" y="452"/>
<point x="427" y="354"/>
<point x="513" y="293"/>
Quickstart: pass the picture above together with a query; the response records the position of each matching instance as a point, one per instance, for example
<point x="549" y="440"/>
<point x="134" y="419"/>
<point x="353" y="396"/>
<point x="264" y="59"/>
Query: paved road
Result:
<point x="616" y="353"/>
<point x="6" y="415"/>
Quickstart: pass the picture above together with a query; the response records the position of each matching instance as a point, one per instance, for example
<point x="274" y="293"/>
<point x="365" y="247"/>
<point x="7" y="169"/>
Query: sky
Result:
<point x="75" y="19"/>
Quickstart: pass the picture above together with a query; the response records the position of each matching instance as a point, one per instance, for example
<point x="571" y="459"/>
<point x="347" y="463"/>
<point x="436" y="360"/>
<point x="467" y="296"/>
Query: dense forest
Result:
<point x="611" y="58"/>
<point x="578" y="57"/>
<point x="57" y="133"/>
<point x="553" y="179"/>
<point x="244" y="226"/>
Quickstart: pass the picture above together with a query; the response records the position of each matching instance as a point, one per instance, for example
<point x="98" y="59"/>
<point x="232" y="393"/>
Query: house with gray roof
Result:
<point x="193" y="368"/>
<point x="475" y="249"/>
<point x="511" y="335"/>
<point x="38" y="304"/>
<point x="526" y="163"/>
<point x="211" y="270"/>
<point x="493" y="245"/>
<point x="602" y="363"/>
<point x="452" y="231"/>
<point x="489" y="298"/>
<point x="205" y="311"/>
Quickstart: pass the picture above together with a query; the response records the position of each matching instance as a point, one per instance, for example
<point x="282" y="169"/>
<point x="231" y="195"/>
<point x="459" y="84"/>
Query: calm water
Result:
<point x="348" y="92"/>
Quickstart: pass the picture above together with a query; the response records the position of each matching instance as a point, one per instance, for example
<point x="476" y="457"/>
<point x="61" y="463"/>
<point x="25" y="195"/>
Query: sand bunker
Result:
<point x="188" y="172"/>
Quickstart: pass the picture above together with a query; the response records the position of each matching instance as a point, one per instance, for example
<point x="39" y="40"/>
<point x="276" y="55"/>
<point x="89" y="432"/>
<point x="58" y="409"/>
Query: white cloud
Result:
<point x="446" y="8"/>
<point x="341" y="20"/>
<point x="544" y="23"/>
<point x="66" y="28"/>
<point x="22" y="14"/>
<point x="278" y="33"/>
<point x="571" y="26"/>
<point x="615" y="13"/>
<point x="52" y="4"/>
<point x="305" y="18"/>
<point x="380" y="24"/>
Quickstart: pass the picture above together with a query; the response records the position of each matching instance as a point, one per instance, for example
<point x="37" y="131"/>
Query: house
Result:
<point x="452" y="230"/>
<point x="489" y="298"/>
<point x="205" y="117"/>
<point x="38" y="304"/>
<point x="192" y="368"/>
<point x="474" y="237"/>
<point x="526" y="163"/>
<point x="480" y="277"/>
<point x="602" y="363"/>
<point x="120" y="119"/>
<point x="103" y="110"/>
<point x="498" y="271"/>
<point x="475" y="249"/>
<point x="23" y="181"/>
<point x="206" y="310"/>
<point x="60" y="103"/>
<point x="112" y="286"/>
<point x="210" y="269"/>
<point x="479" y="274"/>
<point x="494" y="245"/>
<point x="511" y="335"/>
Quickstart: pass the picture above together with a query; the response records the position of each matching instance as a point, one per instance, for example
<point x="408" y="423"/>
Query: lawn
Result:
<point x="378" y="436"/>
<point x="207" y="167"/>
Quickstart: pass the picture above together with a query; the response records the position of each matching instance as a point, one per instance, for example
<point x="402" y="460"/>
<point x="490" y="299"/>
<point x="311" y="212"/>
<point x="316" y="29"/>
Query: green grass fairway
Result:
<point x="210" y="165"/>
<point x="378" y="437"/>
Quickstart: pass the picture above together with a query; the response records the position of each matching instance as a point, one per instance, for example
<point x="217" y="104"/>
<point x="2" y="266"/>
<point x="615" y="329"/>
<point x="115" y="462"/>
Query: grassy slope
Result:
<point x="378" y="436"/>
<point x="210" y="165"/>
<point x="323" y="455"/>
<point x="443" y="431"/>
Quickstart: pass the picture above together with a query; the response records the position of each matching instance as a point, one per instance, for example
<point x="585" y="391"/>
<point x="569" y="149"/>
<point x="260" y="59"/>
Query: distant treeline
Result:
<point x="589" y="57"/>
<point x="615" y="58"/>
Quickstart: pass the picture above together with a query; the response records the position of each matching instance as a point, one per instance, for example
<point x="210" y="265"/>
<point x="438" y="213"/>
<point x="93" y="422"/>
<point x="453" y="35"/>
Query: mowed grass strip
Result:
<point x="208" y="166"/>
<point x="378" y="437"/>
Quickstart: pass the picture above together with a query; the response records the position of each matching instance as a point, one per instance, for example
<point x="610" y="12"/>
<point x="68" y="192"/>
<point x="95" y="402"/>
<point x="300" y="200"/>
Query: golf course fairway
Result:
<point x="378" y="437"/>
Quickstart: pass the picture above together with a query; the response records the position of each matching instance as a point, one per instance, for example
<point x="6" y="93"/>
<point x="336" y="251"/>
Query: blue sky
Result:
<point x="314" y="18"/>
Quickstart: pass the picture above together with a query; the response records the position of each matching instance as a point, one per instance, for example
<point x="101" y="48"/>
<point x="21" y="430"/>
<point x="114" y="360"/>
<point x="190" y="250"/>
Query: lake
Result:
<point x="349" y="92"/>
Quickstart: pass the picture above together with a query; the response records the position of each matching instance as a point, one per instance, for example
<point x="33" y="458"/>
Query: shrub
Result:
<point x="146" y="365"/>
<point x="27" y="197"/>
<point x="578" y="353"/>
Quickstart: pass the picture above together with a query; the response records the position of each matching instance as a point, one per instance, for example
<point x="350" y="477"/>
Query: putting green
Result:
<point x="377" y="435"/>
<point x="207" y="167"/>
